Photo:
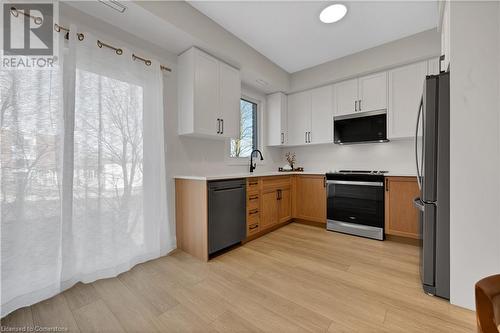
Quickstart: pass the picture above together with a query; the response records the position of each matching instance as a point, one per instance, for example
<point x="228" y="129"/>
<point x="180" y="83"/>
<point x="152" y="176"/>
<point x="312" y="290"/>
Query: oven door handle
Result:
<point x="357" y="183"/>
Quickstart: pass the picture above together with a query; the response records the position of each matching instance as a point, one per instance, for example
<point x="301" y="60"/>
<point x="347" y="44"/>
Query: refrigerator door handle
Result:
<point x="417" y="203"/>
<point x="419" y="180"/>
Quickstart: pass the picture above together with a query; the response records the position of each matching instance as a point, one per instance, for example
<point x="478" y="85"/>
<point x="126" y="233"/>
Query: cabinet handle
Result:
<point x="387" y="184"/>
<point x="355" y="105"/>
<point x="309" y="137"/>
<point x="255" y="226"/>
<point x="324" y="182"/>
<point x="359" y="107"/>
<point x="255" y="197"/>
<point x="282" y="138"/>
<point x="218" y="125"/>
<point x="255" y="211"/>
<point x="278" y="194"/>
<point x="222" y="131"/>
<point x="305" y="139"/>
<point x="254" y="183"/>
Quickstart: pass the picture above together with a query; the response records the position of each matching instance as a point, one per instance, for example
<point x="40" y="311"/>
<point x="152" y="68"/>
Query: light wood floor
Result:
<point x="296" y="279"/>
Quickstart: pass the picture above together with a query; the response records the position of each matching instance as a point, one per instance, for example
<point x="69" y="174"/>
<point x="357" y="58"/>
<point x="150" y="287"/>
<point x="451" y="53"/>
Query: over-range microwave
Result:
<point x="360" y="127"/>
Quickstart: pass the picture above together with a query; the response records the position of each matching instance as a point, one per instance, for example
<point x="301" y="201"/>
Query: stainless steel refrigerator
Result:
<point x="432" y="155"/>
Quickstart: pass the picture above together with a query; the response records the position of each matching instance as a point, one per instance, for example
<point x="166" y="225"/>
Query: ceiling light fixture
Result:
<point x="114" y="4"/>
<point x="333" y="13"/>
<point x="262" y="82"/>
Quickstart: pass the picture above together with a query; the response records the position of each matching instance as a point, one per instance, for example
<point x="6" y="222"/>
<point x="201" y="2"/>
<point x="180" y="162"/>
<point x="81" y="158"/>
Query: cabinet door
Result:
<point x="285" y="205"/>
<point x="276" y="119"/>
<point x="345" y="97"/>
<point x="284" y="119"/>
<point x="299" y="117"/>
<point x="401" y="218"/>
<point x="322" y="115"/>
<point x="310" y="198"/>
<point x="405" y="90"/>
<point x="269" y="209"/>
<point x="230" y="94"/>
<point x="206" y="94"/>
<point x="373" y="92"/>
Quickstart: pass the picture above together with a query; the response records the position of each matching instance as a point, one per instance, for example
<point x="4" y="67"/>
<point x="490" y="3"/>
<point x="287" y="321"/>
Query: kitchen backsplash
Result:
<point x="394" y="156"/>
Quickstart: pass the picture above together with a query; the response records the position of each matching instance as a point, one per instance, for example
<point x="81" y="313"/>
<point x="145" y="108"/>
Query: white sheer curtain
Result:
<point x="83" y="186"/>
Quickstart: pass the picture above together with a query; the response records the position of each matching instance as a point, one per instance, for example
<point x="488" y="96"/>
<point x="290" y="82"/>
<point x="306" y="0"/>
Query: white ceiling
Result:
<point x="290" y="34"/>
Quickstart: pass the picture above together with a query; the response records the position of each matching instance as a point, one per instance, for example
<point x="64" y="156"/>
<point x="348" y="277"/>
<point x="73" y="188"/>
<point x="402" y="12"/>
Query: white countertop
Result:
<point x="248" y="174"/>
<point x="273" y="173"/>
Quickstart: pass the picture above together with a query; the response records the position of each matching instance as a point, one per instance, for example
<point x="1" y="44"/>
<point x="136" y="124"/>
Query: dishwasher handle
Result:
<point x="227" y="188"/>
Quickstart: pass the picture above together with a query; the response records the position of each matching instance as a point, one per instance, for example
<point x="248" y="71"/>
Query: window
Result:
<point x="243" y="146"/>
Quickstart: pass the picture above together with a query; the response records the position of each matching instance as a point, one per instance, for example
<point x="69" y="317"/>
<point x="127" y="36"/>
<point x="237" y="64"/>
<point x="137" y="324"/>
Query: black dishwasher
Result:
<point x="226" y="213"/>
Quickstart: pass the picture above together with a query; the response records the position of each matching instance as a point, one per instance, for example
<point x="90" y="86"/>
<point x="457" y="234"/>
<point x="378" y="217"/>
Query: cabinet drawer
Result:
<point x="253" y="201"/>
<point x="253" y="228"/>
<point x="253" y="213"/>
<point x="253" y="184"/>
<point x="275" y="182"/>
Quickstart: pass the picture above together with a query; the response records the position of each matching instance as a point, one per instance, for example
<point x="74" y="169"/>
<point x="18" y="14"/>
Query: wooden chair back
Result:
<point x="488" y="304"/>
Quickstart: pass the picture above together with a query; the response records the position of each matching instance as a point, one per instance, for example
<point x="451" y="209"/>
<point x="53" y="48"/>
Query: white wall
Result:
<point x="475" y="146"/>
<point x="414" y="48"/>
<point x="395" y="156"/>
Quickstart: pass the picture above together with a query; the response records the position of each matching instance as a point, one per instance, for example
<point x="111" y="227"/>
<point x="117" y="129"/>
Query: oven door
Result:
<point x="356" y="207"/>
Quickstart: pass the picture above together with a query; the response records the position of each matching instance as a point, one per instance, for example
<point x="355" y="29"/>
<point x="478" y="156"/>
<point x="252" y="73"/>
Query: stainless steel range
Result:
<point x="355" y="202"/>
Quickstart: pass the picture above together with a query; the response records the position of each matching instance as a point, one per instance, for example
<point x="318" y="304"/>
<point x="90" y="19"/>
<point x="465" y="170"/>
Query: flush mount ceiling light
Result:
<point x="333" y="13"/>
<point x="262" y="82"/>
<point x="114" y="4"/>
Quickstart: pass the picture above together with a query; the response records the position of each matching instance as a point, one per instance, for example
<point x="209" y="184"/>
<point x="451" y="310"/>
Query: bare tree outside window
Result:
<point x="243" y="146"/>
<point x="109" y="155"/>
<point x="30" y="177"/>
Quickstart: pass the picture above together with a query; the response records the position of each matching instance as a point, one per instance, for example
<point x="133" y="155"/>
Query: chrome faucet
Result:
<point x="252" y="164"/>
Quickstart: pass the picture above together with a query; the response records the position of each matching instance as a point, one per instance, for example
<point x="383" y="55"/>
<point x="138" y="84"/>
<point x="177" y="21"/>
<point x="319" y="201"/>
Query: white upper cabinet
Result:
<point x="405" y="91"/>
<point x="345" y="97"/>
<point x="372" y="92"/>
<point x="367" y="93"/>
<point x="310" y="116"/>
<point x="276" y="110"/>
<point x="206" y="94"/>
<point x="230" y="94"/>
<point x="209" y="92"/>
<point x="321" y="115"/>
<point x="299" y="118"/>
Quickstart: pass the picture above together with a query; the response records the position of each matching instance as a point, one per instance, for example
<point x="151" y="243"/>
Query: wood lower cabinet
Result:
<point x="309" y="199"/>
<point x="269" y="209"/>
<point x="254" y="199"/>
<point x="284" y="204"/>
<point x="276" y="201"/>
<point x="401" y="218"/>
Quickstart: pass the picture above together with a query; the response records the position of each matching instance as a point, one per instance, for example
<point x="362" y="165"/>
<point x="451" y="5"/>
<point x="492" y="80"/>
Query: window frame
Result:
<point x="258" y="135"/>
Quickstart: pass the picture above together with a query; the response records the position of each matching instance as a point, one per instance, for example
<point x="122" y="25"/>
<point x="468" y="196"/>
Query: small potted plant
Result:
<point x="290" y="158"/>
